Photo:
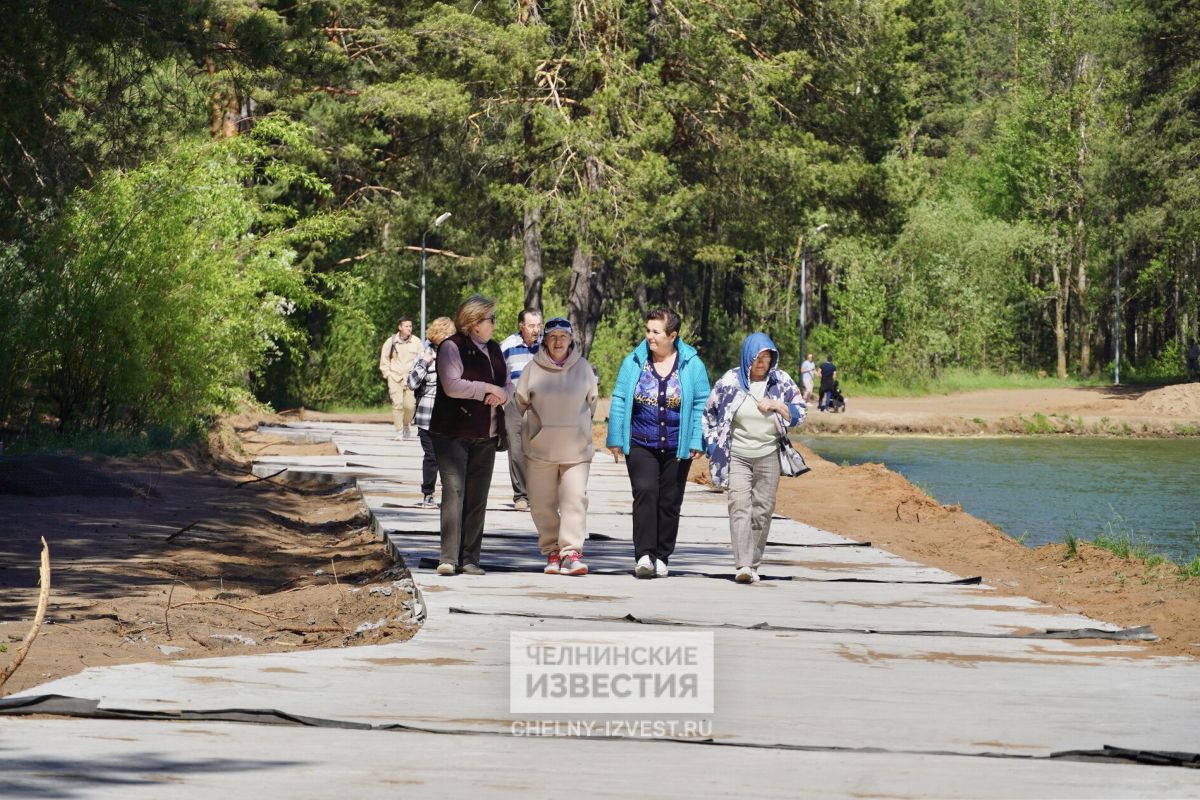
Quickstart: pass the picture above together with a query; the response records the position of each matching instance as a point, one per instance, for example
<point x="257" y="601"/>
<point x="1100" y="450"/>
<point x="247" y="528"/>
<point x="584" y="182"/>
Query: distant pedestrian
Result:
<point x="519" y="349"/>
<point x="748" y="412"/>
<point x="806" y="377"/>
<point x="828" y="382"/>
<point x="557" y="396"/>
<point x="468" y="427"/>
<point x="654" y="419"/>
<point x="422" y="379"/>
<point x="1193" y="361"/>
<point x="396" y="358"/>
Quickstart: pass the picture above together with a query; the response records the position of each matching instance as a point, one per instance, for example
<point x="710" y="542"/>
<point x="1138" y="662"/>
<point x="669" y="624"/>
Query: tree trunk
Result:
<point x="1078" y="210"/>
<point x="534" y="276"/>
<point x="587" y="279"/>
<point x="706" y="305"/>
<point x="586" y="300"/>
<point x="641" y="298"/>
<point x="1061" y="297"/>
<point x="528" y="12"/>
<point x="223" y="103"/>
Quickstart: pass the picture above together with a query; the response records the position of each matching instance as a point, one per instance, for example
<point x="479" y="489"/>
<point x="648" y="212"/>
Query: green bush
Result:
<point x="157" y="293"/>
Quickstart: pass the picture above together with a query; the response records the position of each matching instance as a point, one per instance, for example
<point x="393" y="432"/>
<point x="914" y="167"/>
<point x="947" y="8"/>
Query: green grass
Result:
<point x="115" y="444"/>
<point x="1072" y="546"/>
<point x="1039" y="424"/>
<point x="384" y="408"/>
<point x="957" y="380"/>
<point x="1122" y="541"/>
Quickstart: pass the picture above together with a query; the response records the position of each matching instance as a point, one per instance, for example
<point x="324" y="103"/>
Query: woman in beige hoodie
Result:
<point x="557" y="396"/>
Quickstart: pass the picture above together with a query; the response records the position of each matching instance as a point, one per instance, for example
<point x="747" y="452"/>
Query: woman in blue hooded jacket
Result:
<point x="654" y="419"/>
<point x="750" y="408"/>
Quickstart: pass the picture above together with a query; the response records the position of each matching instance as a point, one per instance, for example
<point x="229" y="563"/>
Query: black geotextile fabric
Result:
<point x="1142" y="633"/>
<point x="63" y="706"/>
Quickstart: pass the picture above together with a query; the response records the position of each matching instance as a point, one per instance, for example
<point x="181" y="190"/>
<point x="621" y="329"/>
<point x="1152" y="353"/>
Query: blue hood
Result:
<point x="755" y="343"/>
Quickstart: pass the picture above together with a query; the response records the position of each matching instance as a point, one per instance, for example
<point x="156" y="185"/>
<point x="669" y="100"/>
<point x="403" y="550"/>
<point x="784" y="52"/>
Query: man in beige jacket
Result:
<point x="395" y="362"/>
<point x="557" y="396"/>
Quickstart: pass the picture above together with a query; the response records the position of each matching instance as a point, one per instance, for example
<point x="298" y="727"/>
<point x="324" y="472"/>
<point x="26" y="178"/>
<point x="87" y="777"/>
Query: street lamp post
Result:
<point x="1117" y="326"/>
<point x="803" y="284"/>
<point x="440" y="219"/>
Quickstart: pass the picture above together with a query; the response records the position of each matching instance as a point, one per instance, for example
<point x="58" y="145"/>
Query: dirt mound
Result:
<point x="182" y="554"/>
<point x="1181" y="400"/>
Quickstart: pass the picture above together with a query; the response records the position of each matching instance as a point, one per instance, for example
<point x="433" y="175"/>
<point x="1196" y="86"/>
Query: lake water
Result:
<point x="1046" y="487"/>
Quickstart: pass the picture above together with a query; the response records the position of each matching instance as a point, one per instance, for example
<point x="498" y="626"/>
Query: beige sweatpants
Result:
<point x="558" y="502"/>
<point x="404" y="403"/>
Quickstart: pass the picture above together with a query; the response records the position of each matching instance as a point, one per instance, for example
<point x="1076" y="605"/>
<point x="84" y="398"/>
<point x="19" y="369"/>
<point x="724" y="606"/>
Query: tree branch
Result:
<point x="43" y="599"/>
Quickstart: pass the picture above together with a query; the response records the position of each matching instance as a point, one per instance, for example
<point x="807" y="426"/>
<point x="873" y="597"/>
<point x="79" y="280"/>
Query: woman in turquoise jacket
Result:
<point x="655" y="420"/>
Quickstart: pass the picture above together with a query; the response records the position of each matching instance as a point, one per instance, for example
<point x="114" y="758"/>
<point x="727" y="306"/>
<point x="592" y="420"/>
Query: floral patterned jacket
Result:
<point x="727" y="395"/>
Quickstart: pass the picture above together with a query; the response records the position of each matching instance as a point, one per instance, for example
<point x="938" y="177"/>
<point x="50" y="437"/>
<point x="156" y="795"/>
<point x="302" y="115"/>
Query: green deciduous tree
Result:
<point x="159" y="291"/>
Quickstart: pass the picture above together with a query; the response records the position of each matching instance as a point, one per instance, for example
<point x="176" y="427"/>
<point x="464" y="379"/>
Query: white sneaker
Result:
<point x="744" y="575"/>
<point x="660" y="569"/>
<point x="754" y="576"/>
<point x="644" y="569"/>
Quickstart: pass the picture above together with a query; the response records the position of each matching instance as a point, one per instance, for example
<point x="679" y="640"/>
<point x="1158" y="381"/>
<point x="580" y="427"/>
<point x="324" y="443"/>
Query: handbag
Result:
<point x="791" y="463"/>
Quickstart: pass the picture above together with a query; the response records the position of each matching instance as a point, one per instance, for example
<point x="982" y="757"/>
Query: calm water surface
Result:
<point x="1045" y="488"/>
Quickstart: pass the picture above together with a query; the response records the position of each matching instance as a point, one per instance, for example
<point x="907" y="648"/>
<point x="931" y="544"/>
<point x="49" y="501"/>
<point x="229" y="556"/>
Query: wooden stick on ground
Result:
<point x="231" y="605"/>
<point x="263" y="478"/>
<point x="43" y="600"/>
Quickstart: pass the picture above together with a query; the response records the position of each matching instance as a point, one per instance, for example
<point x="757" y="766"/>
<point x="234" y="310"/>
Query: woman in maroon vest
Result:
<point x="467" y="428"/>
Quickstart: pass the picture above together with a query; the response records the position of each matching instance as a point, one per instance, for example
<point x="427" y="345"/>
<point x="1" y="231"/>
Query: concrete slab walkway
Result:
<point x="846" y="672"/>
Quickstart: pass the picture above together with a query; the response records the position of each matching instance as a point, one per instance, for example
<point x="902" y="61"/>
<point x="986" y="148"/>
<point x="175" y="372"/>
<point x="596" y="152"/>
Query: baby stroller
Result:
<point x="836" y="401"/>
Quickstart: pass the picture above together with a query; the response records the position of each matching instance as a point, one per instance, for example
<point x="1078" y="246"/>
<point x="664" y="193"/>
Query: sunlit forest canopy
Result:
<point x="203" y="202"/>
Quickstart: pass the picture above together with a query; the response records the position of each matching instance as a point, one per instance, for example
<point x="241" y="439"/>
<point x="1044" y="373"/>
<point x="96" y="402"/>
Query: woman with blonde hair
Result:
<point x="557" y="398"/>
<point x="467" y="424"/>
<point x="422" y="379"/>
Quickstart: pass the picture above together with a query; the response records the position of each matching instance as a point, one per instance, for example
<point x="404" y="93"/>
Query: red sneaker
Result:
<point x="572" y="564"/>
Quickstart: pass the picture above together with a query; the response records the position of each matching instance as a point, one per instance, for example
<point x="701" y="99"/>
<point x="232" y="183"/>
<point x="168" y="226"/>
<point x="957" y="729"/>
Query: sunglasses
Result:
<point x="558" y="323"/>
<point x="492" y="318"/>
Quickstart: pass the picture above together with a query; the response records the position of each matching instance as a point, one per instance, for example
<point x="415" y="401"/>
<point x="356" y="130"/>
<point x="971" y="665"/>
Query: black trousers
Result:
<point x="466" y="469"/>
<point x="658" y="478"/>
<point x="826" y="391"/>
<point x="428" y="463"/>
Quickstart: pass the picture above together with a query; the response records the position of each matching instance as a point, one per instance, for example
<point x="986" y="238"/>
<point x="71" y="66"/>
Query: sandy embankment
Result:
<point x="871" y="502"/>
<point x="1098" y="410"/>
